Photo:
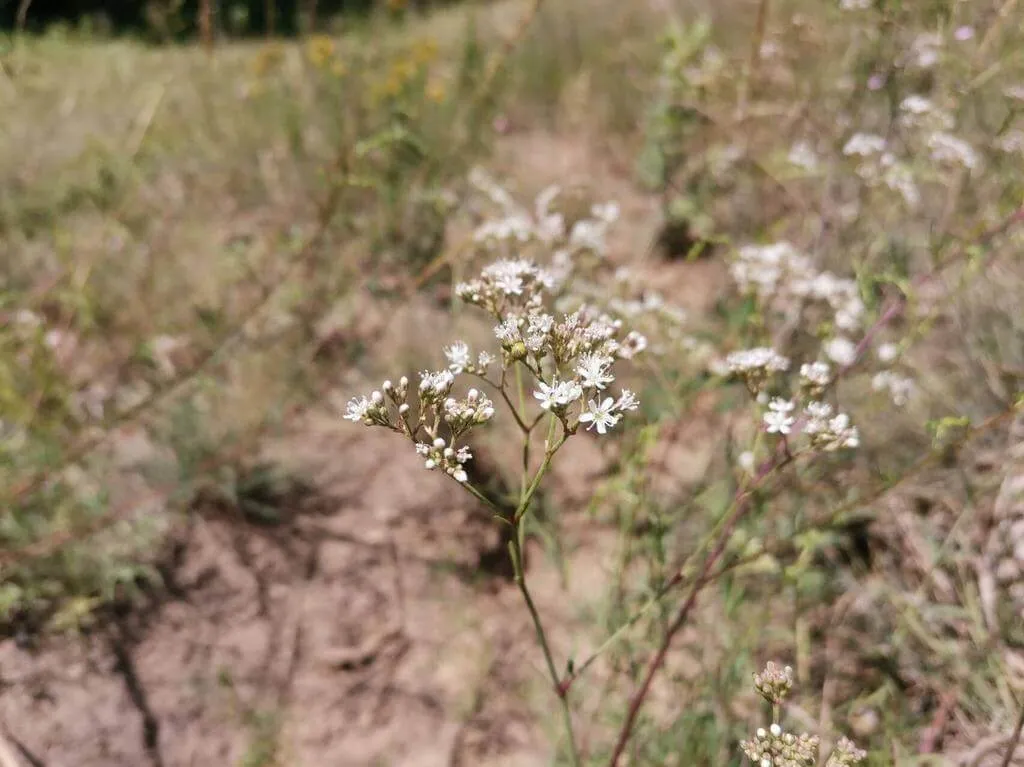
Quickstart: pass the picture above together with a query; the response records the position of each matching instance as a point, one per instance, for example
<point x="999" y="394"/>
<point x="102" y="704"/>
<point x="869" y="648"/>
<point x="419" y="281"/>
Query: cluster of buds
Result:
<point x="815" y="378"/>
<point x="775" y="747"/>
<point x="827" y="430"/>
<point x="846" y="754"/>
<point x="774" y="682"/>
<point x="438" y="411"/>
<point x="439" y="455"/>
<point x="375" y="411"/>
<point x="462" y="415"/>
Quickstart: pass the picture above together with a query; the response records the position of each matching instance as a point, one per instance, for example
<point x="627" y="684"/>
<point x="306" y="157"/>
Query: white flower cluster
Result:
<point x="929" y="126"/>
<point x="803" y="156"/>
<point x="1011" y="142"/>
<point x="919" y="112"/>
<point x="783" y="277"/>
<point x="925" y="50"/>
<point x="825" y="429"/>
<point x="948" y="149"/>
<point x="508" y="284"/>
<point x="658" y="324"/>
<point x="757" y="362"/>
<point x="776" y="748"/>
<point x="878" y="166"/>
<point x="518" y="226"/>
<point x="900" y="388"/>
<point x="828" y="430"/>
<point x="438" y="411"/>
<point x="569" y="356"/>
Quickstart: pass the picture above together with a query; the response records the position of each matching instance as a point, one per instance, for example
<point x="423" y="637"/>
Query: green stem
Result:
<point x="515" y="547"/>
<point x="516" y="552"/>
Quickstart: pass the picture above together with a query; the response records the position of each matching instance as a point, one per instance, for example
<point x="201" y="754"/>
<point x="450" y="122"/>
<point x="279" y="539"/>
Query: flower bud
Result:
<point x="429" y="463"/>
<point x="439" y="443"/>
<point x="517" y="351"/>
<point x="377" y="398"/>
<point x="387" y="386"/>
<point x="403" y="409"/>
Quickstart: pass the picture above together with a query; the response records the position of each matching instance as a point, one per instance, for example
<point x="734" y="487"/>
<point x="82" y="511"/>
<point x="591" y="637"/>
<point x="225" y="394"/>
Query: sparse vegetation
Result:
<point x="788" y="236"/>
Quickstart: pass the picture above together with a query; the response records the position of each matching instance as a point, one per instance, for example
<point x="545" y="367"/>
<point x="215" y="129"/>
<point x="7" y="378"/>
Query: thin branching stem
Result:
<point x="529" y="489"/>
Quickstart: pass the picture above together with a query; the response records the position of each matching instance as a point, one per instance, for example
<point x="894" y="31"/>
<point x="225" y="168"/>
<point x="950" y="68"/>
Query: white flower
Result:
<point x="458" y="357"/>
<point x="916" y="104"/>
<point x="888" y="352"/>
<point x="900" y="388"/>
<point x="849" y="314"/>
<point x="437" y="383"/>
<point x="356" y="409"/>
<point x="509" y="284"/>
<point x="864" y="145"/>
<point x="593" y="371"/>
<point x="1014" y="92"/>
<point x="27" y="318"/>
<point x="588" y="235"/>
<point x="842" y="433"/>
<point x="947" y="148"/>
<point x="633" y="344"/>
<point x="855" y="5"/>
<point x="925" y="49"/>
<point x="607" y="212"/>
<point x="601" y="416"/>
<point x="761" y="358"/>
<point x="900" y="179"/>
<point x="780" y="405"/>
<point x="778" y="422"/>
<point x="484" y="359"/>
<point x="422" y="448"/>
<point x="459" y="475"/>
<point x="841" y="351"/>
<point x="540" y="324"/>
<point x="558" y="394"/>
<point x="463" y="454"/>
<point x="802" y="155"/>
<point x="816" y="373"/>
<point x="963" y="34"/>
<point x="508" y="331"/>
<point x="627" y="401"/>
<point x="817" y="414"/>
<point x="746" y="461"/>
<point x="1012" y="142"/>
